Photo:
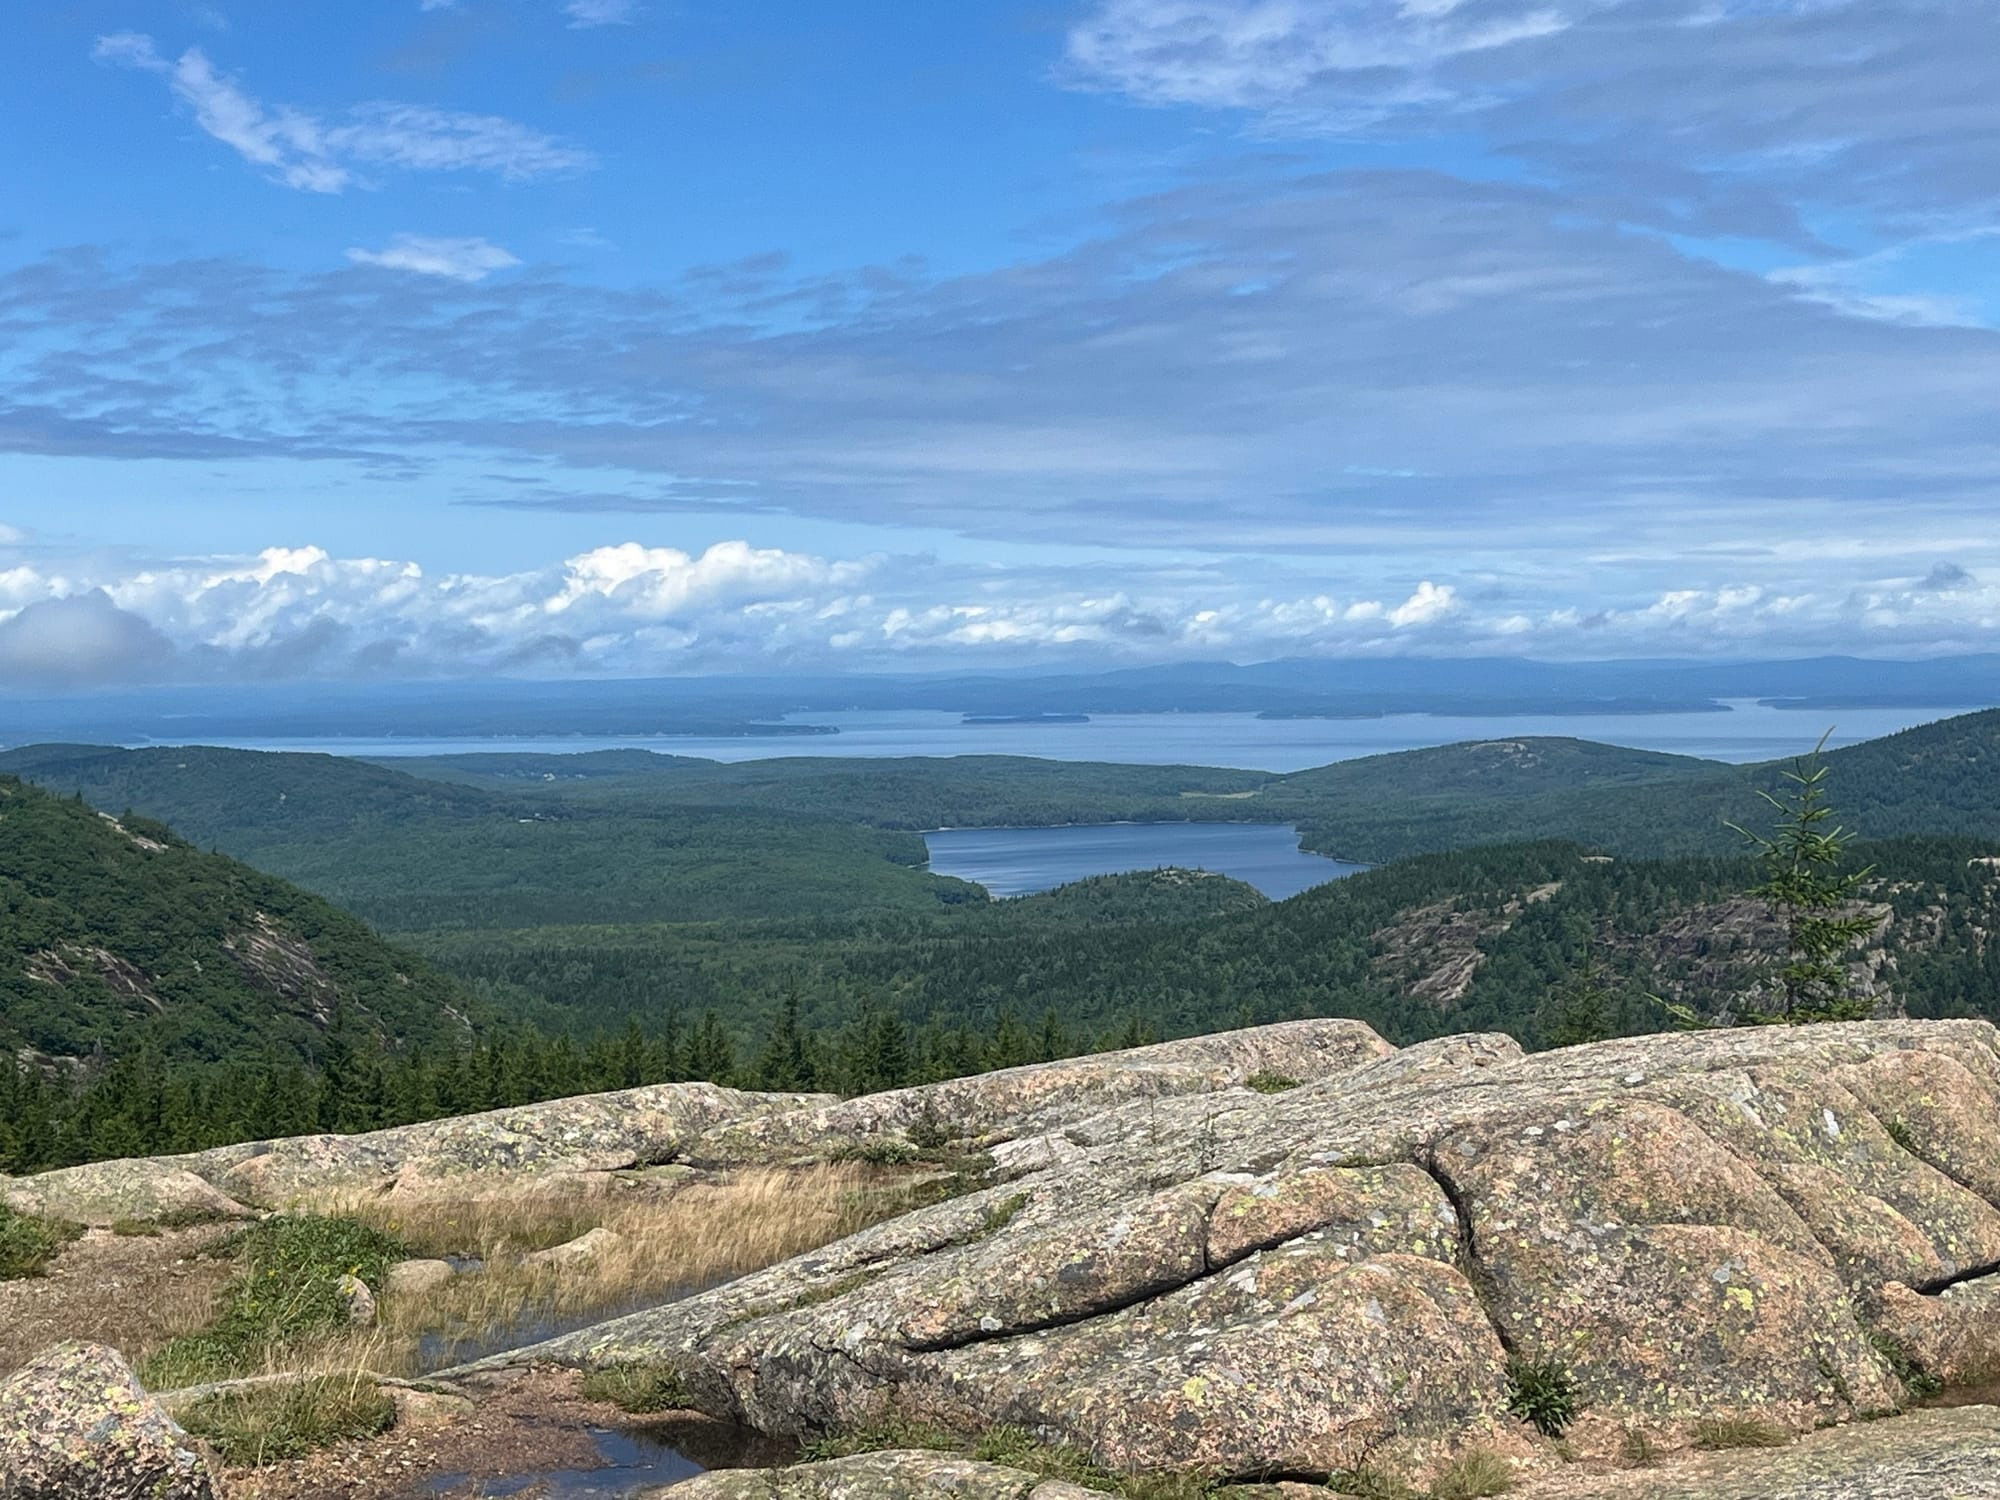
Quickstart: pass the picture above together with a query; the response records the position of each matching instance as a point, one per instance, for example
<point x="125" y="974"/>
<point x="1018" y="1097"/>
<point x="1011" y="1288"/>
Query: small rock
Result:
<point x="75" y="1424"/>
<point x="418" y="1411"/>
<point x="584" y="1247"/>
<point x="360" y="1302"/>
<point x="413" y="1278"/>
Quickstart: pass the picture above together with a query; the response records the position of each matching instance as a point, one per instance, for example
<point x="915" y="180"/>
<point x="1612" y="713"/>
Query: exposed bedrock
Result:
<point x="1354" y="1272"/>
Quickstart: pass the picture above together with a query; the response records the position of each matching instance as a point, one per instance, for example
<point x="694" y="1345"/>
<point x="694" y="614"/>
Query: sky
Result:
<point x="411" y="338"/>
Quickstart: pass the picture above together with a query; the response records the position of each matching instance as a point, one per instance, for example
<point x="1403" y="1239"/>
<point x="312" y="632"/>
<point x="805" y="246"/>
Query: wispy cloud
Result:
<point x="587" y="13"/>
<point x="459" y="259"/>
<point x="313" y="154"/>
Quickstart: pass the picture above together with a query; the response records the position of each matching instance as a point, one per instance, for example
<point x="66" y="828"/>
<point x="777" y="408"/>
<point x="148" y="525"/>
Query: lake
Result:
<point x="1017" y="861"/>
<point x="1747" y="731"/>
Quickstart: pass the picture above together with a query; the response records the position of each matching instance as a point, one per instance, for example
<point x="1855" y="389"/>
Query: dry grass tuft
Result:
<point x="694" y="1235"/>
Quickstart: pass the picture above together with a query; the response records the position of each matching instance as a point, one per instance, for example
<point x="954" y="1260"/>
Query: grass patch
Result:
<point x="1472" y="1476"/>
<point x="1638" y="1449"/>
<point x="1370" y="1484"/>
<point x="1014" y="1447"/>
<point x="29" y="1243"/>
<point x="135" y="1229"/>
<point x="639" y="1389"/>
<point x="1542" y="1392"/>
<point x="880" y="1437"/>
<point x="285" y="1293"/>
<point x="1003" y="1213"/>
<point x="264" y="1424"/>
<point x="1271" y="1083"/>
<point x="1899" y="1131"/>
<point x="1718" y="1434"/>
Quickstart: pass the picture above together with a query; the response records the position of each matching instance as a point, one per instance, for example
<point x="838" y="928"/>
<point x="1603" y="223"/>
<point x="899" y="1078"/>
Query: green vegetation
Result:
<point x="1542" y="1392"/>
<point x="641" y="1389"/>
<point x="1270" y="1083"/>
<point x="118" y="935"/>
<point x="264" y="1424"/>
<point x="1814" y="897"/>
<point x="1917" y="1381"/>
<point x="285" y="1292"/>
<point x="28" y="1243"/>
<point x="1473" y="1476"/>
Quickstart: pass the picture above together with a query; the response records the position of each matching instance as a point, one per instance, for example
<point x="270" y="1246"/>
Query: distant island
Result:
<point x="1026" y="719"/>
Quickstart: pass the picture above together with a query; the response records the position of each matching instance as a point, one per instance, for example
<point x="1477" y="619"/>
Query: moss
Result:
<point x="1720" y="1433"/>
<point x="1003" y="1213"/>
<point x="135" y="1229"/>
<point x="28" y="1243"/>
<point x="1542" y="1392"/>
<point x="1919" y="1382"/>
<point x="286" y="1290"/>
<point x="1270" y="1083"/>
<point x="640" y="1389"/>
<point x="266" y="1423"/>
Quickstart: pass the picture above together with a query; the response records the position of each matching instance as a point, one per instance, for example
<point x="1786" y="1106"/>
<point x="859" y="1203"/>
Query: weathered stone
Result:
<point x="75" y="1425"/>
<point x="591" y="1133"/>
<point x="105" y="1192"/>
<point x="1018" y="1103"/>
<point x="587" y="1246"/>
<point x="357" y="1300"/>
<point x="1685" y="1226"/>
<point x="898" y="1475"/>
<point x="413" y="1278"/>
<point x="1926" y="1455"/>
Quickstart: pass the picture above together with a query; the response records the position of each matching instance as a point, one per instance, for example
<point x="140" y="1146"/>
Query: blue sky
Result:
<point x="411" y="337"/>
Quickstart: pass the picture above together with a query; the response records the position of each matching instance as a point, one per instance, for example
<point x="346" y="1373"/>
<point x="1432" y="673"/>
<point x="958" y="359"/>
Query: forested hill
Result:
<point x="116" y="935"/>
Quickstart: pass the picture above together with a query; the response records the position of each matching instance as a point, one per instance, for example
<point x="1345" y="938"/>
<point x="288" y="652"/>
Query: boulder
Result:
<point x="1379" y="1267"/>
<point x="413" y="1278"/>
<point x="75" y="1425"/>
<point x="357" y="1300"/>
<point x="106" y="1192"/>
<point x="902" y="1475"/>
<point x="587" y="1246"/>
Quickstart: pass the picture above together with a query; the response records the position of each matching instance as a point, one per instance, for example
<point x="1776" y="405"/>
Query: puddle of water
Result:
<point x="656" y="1454"/>
<point x="535" y="1322"/>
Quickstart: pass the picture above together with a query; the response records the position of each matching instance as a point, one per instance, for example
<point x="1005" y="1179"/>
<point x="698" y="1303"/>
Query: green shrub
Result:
<point x="265" y="1423"/>
<point x="285" y="1290"/>
<point x="1720" y="1433"/>
<point x="639" y="1389"/>
<point x="28" y="1243"/>
<point x="1542" y="1392"/>
<point x="1003" y="1213"/>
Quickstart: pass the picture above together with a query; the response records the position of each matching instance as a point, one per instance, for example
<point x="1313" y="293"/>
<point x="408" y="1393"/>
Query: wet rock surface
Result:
<point x="75" y="1425"/>
<point x="1351" y="1273"/>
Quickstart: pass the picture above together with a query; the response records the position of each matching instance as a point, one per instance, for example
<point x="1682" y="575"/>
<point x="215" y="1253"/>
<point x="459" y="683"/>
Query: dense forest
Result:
<point x="600" y="920"/>
<point x="117" y="935"/>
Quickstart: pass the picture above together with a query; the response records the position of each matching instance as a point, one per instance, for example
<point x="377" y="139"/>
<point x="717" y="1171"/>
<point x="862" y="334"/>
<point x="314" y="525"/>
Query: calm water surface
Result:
<point x="1746" y="732"/>
<point x="1016" y="861"/>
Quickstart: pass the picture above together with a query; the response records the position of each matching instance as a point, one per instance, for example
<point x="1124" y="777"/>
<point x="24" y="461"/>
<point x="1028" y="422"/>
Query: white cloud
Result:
<point x="460" y="259"/>
<point x="585" y="13"/>
<point x="303" y="151"/>
<point x="635" y="610"/>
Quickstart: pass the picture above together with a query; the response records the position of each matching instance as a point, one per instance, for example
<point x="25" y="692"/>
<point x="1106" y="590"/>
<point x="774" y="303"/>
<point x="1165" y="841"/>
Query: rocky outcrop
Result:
<point x="75" y="1425"/>
<point x="593" y="1133"/>
<point x="1382" y="1266"/>
<point x="977" y="1112"/>
<point x="903" y="1475"/>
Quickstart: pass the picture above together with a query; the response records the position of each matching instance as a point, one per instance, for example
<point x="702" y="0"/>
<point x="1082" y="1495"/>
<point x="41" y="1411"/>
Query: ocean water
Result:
<point x="1746" y="731"/>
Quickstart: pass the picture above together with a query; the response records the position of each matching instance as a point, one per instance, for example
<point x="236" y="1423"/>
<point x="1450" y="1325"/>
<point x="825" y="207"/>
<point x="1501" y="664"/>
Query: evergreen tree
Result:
<point x="1812" y="897"/>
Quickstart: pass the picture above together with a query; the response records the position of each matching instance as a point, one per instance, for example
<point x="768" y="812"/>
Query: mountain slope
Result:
<point x="116" y="933"/>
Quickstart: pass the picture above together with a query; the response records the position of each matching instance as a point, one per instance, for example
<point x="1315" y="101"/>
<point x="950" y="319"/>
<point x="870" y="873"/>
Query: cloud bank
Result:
<point x="632" y="610"/>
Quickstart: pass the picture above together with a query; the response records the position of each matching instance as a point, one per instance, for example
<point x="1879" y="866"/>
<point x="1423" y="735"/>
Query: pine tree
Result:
<point x="1812" y="897"/>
